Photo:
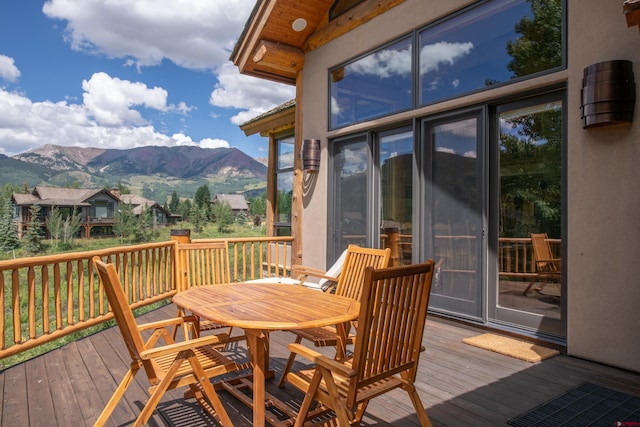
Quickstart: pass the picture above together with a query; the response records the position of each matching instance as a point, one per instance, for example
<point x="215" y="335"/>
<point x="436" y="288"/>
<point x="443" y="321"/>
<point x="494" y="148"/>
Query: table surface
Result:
<point x="267" y="306"/>
<point x="260" y="307"/>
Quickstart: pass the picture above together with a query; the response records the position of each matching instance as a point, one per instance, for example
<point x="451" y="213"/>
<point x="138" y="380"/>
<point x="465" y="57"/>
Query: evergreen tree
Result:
<point x="33" y="236"/>
<point x="174" y="203"/>
<point x="241" y="218"/>
<point x="198" y="217"/>
<point x="8" y="227"/>
<point x="203" y="197"/>
<point x="7" y="192"/>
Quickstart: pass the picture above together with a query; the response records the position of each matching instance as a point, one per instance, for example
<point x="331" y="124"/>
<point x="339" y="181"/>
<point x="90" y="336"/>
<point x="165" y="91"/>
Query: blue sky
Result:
<point x="123" y="74"/>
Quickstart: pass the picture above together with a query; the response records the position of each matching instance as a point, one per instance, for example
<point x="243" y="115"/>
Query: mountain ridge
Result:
<point x="150" y="169"/>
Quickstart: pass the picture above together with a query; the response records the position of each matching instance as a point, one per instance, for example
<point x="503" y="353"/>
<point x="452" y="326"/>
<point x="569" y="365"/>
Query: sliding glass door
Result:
<point x="453" y="207"/>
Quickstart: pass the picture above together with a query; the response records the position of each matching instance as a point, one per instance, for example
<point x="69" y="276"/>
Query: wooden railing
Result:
<point x="515" y="257"/>
<point x="257" y="257"/>
<point x="48" y="297"/>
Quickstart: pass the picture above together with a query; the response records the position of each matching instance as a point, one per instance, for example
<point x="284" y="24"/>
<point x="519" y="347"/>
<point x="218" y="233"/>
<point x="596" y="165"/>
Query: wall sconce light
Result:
<point x="608" y="94"/>
<point x="310" y="155"/>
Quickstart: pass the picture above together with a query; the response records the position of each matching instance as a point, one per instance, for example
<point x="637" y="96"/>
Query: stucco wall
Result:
<point x="603" y="265"/>
<point x="603" y="246"/>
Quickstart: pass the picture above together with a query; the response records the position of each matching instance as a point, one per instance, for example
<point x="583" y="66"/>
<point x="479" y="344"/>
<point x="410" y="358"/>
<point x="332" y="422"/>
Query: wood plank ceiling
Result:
<point x="270" y="48"/>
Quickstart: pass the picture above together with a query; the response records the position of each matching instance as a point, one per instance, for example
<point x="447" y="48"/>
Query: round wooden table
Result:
<point x="262" y="307"/>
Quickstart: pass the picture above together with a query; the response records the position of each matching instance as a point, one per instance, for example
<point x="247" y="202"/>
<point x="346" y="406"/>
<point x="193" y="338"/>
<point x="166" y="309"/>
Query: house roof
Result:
<point x="236" y="201"/>
<point x="139" y="203"/>
<point x="50" y="196"/>
<point x="271" y="49"/>
<point x="280" y="118"/>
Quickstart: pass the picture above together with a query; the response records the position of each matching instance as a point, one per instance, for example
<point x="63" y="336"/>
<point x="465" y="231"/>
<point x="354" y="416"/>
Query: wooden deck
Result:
<point x="460" y="385"/>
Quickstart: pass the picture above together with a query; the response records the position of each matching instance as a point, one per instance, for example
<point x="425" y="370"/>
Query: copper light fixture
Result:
<point x="311" y="155"/>
<point x="608" y="94"/>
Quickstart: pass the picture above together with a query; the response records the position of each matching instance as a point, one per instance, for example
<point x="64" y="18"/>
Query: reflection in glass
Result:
<point x="455" y="220"/>
<point x="492" y="43"/>
<point x="284" y="197"/>
<point x="285" y="153"/>
<point x="396" y="175"/>
<point x="530" y="202"/>
<point x="351" y="171"/>
<point x="372" y="86"/>
<point x="284" y="186"/>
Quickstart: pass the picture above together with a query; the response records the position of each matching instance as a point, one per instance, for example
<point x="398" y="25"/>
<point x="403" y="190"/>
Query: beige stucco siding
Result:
<point x="603" y="205"/>
<point x="603" y="265"/>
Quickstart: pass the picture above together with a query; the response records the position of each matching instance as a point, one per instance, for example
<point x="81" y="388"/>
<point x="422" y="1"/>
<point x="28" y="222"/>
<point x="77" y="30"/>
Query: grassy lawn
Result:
<point x="81" y="245"/>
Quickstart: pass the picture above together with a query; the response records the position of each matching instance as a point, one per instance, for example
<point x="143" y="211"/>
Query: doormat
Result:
<point x="586" y="405"/>
<point x="511" y="347"/>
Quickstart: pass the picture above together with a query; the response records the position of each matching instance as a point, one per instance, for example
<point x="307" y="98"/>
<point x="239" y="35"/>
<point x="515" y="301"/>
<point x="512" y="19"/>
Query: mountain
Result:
<point x="156" y="171"/>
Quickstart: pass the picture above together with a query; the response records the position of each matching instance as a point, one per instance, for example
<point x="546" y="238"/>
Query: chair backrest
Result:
<point x="356" y="261"/>
<point x="120" y="307"/>
<point x="542" y="253"/>
<point x="203" y="264"/>
<point x="393" y="313"/>
<point x="334" y="271"/>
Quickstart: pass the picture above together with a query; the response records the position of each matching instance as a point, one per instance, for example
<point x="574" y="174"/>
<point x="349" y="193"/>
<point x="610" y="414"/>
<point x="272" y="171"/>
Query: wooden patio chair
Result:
<point x="189" y="363"/>
<point x="204" y="264"/>
<point x="324" y="280"/>
<point x="391" y="324"/>
<point x="349" y="285"/>
<point x="548" y="268"/>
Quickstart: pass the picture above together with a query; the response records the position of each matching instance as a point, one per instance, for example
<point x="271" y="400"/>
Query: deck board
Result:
<point x="459" y="384"/>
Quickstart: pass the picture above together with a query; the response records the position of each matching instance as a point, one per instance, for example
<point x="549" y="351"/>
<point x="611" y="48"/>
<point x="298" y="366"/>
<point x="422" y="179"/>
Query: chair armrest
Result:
<point x="181" y="346"/>
<point x="167" y="322"/>
<point x="301" y="270"/>
<point x="322" y="360"/>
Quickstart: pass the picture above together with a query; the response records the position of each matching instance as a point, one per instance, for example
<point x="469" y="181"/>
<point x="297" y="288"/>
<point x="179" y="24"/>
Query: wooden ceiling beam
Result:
<point x="346" y="22"/>
<point x="278" y="56"/>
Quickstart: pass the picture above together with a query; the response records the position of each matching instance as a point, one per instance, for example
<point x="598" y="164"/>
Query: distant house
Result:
<point x="237" y="202"/>
<point x="140" y="204"/>
<point x="97" y="207"/>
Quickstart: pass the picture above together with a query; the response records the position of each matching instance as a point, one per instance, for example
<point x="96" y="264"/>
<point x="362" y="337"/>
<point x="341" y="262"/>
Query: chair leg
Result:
<point x="158" y="391"/>
<point x="308" y="399"/>
<point x="419" y="407"/>
<point x="526" y="291"/>
<point x="288" y="365"/>
<point x="210" y="392"/>
<point x="117" y="395"/>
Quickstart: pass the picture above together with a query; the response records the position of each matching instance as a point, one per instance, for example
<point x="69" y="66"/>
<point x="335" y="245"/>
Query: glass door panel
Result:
<point x="396" y="199"/>
<point x="351" y="189"/>
<point x="454" y="208"/>
<point x="530" y="195"/>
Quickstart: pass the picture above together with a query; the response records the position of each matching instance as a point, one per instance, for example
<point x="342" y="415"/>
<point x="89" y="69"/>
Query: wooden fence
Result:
<point x="48" y="297"/>
<point x="45" y="298"/>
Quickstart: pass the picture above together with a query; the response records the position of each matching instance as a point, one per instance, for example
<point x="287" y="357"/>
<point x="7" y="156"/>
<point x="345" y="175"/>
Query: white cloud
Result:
<point x="195" y="34"/>
<point x="110" y="99"/>
<point x="384" y="64"/>
<point x="436" y="54"/>
<point x="25" y="124"/>
<point x="181" y="139"/>
<point x="251" y="95"/>
<point x="8" y="70"/>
